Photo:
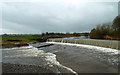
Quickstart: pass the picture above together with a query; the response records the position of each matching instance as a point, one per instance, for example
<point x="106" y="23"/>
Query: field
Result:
<point x="18" y="40"/>
<point x="29" y="38"/>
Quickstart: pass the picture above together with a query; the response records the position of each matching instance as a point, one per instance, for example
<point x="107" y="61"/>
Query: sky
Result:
<point x="55" y="16"/>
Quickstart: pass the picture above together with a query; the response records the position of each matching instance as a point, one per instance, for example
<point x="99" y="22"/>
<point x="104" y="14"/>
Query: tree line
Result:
<point x="107" y="30"/>
<point x="63" y="35"/>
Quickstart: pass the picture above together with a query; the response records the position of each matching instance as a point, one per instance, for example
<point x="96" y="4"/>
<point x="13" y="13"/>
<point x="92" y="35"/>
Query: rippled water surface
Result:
<point x="58" y="57"/>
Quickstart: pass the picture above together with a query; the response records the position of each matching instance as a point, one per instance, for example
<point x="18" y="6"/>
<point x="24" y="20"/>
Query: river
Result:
<point x="65" y="58"/>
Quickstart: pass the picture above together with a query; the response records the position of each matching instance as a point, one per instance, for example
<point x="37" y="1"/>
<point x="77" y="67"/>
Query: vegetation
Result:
<point x="18" y="40"/>
<point x="28" y="38"/>
<point x="107" y="31"/>
<point x="15" y="40"/>
<point x="63" y="35"/>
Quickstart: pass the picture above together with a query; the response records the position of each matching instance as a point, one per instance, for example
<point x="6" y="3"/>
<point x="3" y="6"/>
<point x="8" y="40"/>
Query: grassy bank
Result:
<point x="25" y="37"/>
<point x="19" y="40"/>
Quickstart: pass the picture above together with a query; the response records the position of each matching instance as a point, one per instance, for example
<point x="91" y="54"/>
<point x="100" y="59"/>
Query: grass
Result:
<point x="8" y="41"/>
<point x="29" y="38"/>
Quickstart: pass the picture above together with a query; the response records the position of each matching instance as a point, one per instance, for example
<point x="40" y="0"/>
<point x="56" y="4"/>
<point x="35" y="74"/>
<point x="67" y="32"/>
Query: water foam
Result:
<point x="105" y="54"/>
<point x="17" y="48"/>
<point x="51" y="58"/>
<point x="30" y="51"/>
<point x="102" y="49"/>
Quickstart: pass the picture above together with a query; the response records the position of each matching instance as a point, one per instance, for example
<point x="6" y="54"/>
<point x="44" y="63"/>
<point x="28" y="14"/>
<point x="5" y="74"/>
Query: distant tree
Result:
<point x="76" y="34"/>
<point x="107" y="29"/>
<point x="47" y="33"/>
<point x="100" y="31"/>
<point x="5" y="34"/>
<point x="93" y="33"/>
<point x="86" y="34"/>
<point x="43" y="34"/>
<point x="116" y="23"/>
<point x="116" y="26"/>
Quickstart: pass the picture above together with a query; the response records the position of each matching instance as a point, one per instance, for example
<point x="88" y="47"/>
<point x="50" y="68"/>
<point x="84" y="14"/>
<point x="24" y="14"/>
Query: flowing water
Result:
<point x="30" y="55"/>
<point x="58" y="57"/>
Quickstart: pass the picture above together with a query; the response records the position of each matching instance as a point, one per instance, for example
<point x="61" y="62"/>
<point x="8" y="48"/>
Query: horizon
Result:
<point x="40" y="33"/>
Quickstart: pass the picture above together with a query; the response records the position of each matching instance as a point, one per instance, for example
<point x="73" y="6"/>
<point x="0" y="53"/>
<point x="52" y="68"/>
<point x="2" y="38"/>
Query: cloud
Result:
<point x="12" y="27"/>
<point x="58" y="16"/>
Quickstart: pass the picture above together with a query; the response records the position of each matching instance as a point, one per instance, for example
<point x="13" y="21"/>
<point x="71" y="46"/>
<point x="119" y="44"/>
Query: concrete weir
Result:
<point x="100" y="43"/>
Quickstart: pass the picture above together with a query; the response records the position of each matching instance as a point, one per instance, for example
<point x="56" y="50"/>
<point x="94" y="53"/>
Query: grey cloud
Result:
<point x="56" y="17"/>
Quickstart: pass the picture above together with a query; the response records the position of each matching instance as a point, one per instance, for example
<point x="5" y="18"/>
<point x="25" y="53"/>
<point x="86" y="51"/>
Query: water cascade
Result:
<point x="101" y="43"/>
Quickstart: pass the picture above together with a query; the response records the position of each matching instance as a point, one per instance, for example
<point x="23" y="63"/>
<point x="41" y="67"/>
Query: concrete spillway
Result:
<point x="101" y="43"/>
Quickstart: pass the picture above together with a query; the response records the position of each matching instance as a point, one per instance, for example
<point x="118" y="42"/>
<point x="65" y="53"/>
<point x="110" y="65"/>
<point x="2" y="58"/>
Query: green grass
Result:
<point x="25" y="37"/>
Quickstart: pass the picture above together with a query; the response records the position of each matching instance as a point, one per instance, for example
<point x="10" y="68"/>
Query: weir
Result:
<point x="100" y="43"/>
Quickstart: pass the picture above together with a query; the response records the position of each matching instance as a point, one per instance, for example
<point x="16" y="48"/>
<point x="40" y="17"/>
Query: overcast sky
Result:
<point x="56" y="16"/>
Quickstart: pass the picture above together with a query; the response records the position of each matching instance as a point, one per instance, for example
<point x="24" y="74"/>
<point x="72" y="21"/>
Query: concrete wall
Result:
<point x="101" y="43"/>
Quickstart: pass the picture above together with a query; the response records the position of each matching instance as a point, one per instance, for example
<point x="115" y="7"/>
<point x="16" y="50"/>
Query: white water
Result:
<point x="104" y="54"/>
<point x="50" y="58"/>
<point x="30" y="51"/>
<point x="102" y="49"/>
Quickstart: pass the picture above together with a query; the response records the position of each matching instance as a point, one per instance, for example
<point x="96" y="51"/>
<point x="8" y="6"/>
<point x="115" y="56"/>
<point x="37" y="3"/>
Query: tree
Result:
<point x="116" y="23"/>
<point x="116" y="26"/>
<point x="93" y="33"/>
<point x="47" y="33"/>
<point x="100" y="31"/>
<point x="107" y="29"/>
<point x="43" y="34"/>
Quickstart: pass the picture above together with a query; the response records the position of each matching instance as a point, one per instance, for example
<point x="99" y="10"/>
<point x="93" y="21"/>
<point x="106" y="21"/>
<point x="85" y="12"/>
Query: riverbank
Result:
<point x="10" y="41"/>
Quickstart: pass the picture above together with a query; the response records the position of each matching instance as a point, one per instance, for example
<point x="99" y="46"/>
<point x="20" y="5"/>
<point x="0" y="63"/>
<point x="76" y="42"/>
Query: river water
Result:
<point x="65" y="58"/>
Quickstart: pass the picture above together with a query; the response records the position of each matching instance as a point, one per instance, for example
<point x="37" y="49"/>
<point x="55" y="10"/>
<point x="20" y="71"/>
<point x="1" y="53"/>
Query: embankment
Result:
<point x="100" y="43"/>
